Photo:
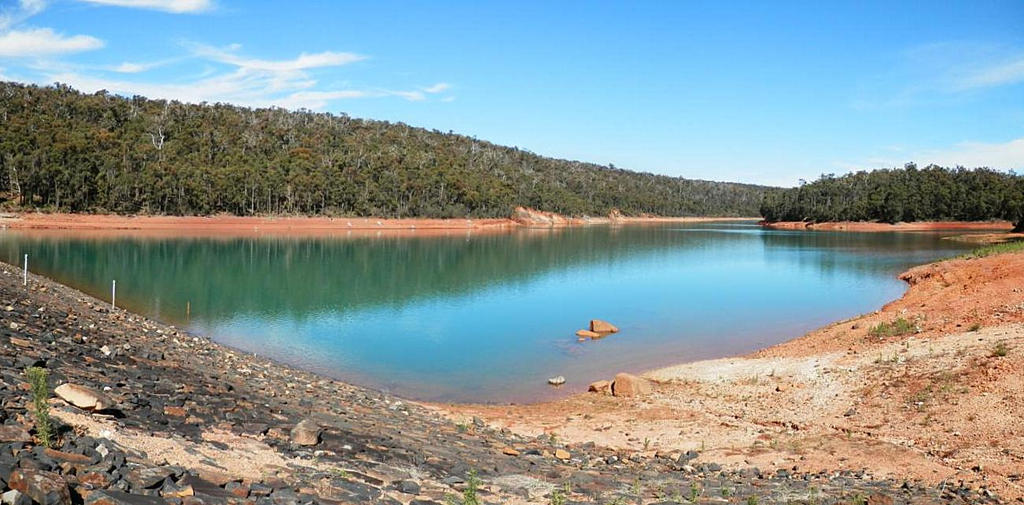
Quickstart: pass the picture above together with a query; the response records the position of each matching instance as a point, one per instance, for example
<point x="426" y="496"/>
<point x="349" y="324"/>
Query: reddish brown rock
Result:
<point x="175" y="411"/>
<point x="45" y="488"/>
<point x="10" y="434"/>
<point x="599" y="326"/>
<point x="628" y="385"/>
<point x="603" y="387"/>
<point x="588" y="334"/>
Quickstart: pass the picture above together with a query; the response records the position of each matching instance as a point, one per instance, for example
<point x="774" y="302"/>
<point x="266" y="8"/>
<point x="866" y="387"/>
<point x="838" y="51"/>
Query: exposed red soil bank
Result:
<point x="875" y="226"/>
<point x="227" y="225"/>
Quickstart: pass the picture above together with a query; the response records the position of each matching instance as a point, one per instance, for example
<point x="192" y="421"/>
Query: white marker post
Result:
<point x="24" y="282"/>
<point x="113" y="294"/>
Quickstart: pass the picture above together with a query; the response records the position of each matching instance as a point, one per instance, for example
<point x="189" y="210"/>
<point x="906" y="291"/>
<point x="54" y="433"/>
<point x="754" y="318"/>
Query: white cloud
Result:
<point x="304" y="61"/>
<point x="174" y="6"/>
<point x="131" y="68"/>
<point x="997" y="155"/>
<point x="24" y="10"/>
<point x="1003" y="156"/>
<point x="36" y="42"/>
<point x="962" y="66"/>
<point x="240" y="87"/>
<point x="437" y="88"/>
<point x="998" y="74"/>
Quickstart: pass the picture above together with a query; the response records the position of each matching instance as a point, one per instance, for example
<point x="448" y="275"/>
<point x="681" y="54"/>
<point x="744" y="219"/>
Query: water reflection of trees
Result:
<point x="851" y="252"/>
<point x="297" y="277"/>
<point x="224" y="277"/>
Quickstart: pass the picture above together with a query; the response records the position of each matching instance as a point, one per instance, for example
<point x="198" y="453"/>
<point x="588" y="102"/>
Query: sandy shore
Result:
<point x="226" y="225"/>
<point x="883" y="227"/>
<point x="943" y="402"/>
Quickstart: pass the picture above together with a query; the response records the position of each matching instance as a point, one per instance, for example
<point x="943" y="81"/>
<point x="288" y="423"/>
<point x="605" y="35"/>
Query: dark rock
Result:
<point x="44" y="488"/>
<point x="14" y="434"/>
<point x="408" y="486"/>
<point x="108" y="497"/>
<point x="148" y="478"/>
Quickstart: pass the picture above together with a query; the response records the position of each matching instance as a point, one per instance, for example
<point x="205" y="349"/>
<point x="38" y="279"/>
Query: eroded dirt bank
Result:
<point x="226" y="225"/>
<point x="873" y="226"/>
<point x="936" y="393"/>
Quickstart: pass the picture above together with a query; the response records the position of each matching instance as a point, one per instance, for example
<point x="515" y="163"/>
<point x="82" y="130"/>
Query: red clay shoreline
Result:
<point x="228" y="225"/>
<point x="872" y="226"/>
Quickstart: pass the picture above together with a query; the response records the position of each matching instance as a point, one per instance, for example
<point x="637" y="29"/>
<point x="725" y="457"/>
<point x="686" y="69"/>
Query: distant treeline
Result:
<point x="62" y="150"/>
<point x="908" y="194"/>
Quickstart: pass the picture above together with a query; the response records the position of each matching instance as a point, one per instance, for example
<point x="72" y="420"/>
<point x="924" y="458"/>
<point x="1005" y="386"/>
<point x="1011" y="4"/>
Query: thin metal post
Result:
<point x="24" y="282"/>
<point x="113" y="294"/>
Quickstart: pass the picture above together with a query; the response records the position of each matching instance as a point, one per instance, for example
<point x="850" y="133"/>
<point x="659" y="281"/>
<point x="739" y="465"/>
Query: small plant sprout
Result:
<point x="1000" y="350"/>
<point x="38" y="380"/>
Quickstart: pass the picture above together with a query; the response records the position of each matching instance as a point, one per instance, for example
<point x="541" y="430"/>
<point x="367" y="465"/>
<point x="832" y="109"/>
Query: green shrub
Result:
<point x="894" y="328"/>
<point x="1000" y="350"/>
<point x="1005" y="247"/>
<point x="38" y="379"/>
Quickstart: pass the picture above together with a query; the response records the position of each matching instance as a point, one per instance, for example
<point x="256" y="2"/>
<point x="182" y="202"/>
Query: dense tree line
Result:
<point x="908" y="194"/>
<point x="67" y="151"/>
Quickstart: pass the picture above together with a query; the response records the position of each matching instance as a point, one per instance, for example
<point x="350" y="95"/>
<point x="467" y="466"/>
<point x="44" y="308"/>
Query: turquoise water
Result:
<point x="490" y="317"/>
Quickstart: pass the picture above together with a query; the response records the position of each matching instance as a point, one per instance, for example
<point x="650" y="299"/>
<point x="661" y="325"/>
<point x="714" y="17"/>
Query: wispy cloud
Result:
<point x="961" y="66"/>
<point x="938" y="73"/>
<point x="174" y="6"/>
<point x="437" y="88"/>
<point x="997" y="155"/>
<point x="252" y="82"/>
<point x="14" y="14"/>
<point x="304" y="61"/>
<point x="228" y="75"/>
<point x="37" y="42"/>
<point x="998" y="74"/>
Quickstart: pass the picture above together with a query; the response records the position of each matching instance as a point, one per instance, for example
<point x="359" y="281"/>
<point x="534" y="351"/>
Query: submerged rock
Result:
<point x="557" y="381"/>
<point x="588" y="334"/>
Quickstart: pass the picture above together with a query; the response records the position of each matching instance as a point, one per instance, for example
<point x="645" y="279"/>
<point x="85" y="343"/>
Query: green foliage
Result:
<point x="38" y="380"/>
<point x="557" y="498"/>
<point x="1000" y="350"/>
<point x="1005" y="247"/>
<point x="67" y="151"/>
<point x="909" y="194"/>
<point x="469" y="496"/>
<point x="894" y="328"/>
<point x="752" y="500"/>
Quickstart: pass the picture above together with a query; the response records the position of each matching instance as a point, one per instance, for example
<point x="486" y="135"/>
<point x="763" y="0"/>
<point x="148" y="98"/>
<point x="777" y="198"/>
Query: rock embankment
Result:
<point x="151" y="415"/>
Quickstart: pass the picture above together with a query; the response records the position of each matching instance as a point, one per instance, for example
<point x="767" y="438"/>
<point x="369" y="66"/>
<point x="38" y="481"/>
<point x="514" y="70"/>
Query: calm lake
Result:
<point x="489" y="317"/>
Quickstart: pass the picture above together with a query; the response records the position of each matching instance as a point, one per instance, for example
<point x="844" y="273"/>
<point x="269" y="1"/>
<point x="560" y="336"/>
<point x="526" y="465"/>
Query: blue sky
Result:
<point x="767" y="92"/>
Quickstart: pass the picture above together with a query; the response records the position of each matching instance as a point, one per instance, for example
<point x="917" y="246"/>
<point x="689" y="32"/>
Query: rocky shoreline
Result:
<point x="196" y="423"/>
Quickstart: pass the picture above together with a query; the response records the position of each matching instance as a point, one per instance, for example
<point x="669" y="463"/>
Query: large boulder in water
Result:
<point x="628" y="385"/>
<point x="600" y="326"/>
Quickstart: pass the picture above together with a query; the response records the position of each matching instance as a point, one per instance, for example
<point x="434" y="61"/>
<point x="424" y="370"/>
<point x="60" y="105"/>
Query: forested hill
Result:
<point x="909" y="194"/>
<point x="67" y="151"/>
